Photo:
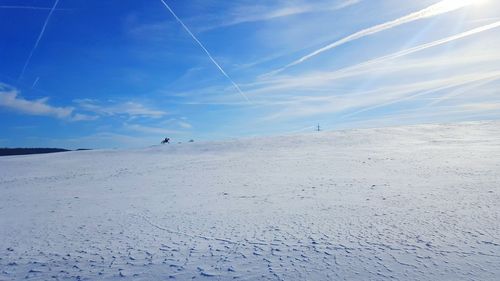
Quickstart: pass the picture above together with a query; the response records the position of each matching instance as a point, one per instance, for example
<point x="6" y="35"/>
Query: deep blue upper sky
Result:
<point x="124" y="73"/>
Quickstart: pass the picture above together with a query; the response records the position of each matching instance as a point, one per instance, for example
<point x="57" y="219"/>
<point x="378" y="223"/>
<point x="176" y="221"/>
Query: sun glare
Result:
<point x="457" y="4"/>
<point x="452" y="5"/>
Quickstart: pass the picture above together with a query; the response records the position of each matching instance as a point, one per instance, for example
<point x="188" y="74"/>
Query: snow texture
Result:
<point x="405" y="203"/>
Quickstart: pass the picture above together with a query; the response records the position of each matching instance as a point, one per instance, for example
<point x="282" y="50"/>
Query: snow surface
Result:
<point x="403" y="203"/>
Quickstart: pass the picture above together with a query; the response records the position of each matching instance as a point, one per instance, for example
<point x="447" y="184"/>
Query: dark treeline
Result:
<point x="25" y="151"/>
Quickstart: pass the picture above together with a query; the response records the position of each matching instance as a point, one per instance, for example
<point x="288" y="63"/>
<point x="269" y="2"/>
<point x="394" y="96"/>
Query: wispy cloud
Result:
<point x="444" y="113"/>
<point x="347" y="106"/>
<point x="150" y="130"/>
<point x="445" y="84"/>
<point x="83" y="117"/>
<point x="321" y="78"/>
<point x="40" y="35"/>
<point x="423" y="46"/>
<point x="386" y="82"/>
<point x="185" y="125"/>
<point x="179" y="123"/>
<point x="464" y="90"/>
<point x="319" y="92"/>
<point x="129" y="109"/>
<point x="10" y="99"/>
<point x="439" y="8"/>
<point x="258" y="13"/>
<point x="13" y="101"/>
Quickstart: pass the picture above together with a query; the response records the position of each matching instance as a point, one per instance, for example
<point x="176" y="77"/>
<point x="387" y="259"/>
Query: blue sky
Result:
<point x="122" y="73"/>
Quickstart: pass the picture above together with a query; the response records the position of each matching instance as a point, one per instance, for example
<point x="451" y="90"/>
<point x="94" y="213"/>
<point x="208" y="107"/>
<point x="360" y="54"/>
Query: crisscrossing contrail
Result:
<point x="38" y="40"/>
<point x="442" y="7"/>
<point x="206" y="51"/>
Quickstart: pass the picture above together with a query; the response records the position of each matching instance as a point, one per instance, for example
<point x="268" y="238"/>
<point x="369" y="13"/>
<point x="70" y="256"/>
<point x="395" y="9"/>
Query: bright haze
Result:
<point x="115" y="73"/>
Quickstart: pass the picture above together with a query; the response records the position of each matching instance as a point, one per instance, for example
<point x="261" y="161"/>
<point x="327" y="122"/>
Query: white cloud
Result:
<point x="463" y="91"/>
<point x="84" y="117"/>
<point x="150" y="130"/>
<point x="349" y="71"/>
<point x="462" y="82"/>
<point x="130" y="109"/>
<point x="390" y="79"/>
<point x="355" y="102"/>
<point x="184" y="124"/>
<point x="450" y="113"/>
<point x="439" y="8"/>
<point x="10" y="99"/>
<point x="390" y="67"/>
<point x="406" y="79"/>
<point x="257" y="13"/>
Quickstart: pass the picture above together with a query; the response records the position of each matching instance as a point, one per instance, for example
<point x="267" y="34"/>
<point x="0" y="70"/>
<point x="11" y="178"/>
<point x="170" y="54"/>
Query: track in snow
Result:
<point x="404" y="203"/>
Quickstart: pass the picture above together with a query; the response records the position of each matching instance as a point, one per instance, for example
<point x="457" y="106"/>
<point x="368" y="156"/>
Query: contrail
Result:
<point x="38" y="40"/>
<point x="438" y="42"/>
<point x="35" y="83"/>
<point x="463" y="90"/>
<point x="464" y="80"/>
<point x="28" y="8"/>
<point x="300" y="130"/>
<point x="422" y="47"/>
<point x="439" y="8"/>
<point x="206" y="51"/>
<point x="359" y="68"/>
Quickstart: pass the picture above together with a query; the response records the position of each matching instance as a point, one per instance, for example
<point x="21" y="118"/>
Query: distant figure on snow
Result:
<point x="166" y="140"/>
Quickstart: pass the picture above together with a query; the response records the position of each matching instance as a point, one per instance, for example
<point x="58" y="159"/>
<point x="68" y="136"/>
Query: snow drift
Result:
<point x="404" y="203"/>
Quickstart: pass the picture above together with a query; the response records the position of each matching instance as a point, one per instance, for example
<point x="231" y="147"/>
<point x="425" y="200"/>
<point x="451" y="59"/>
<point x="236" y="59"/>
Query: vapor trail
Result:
<point x="38" y="40"/>
<point x="31" y="8"/>
<point x="439" y="8"/>
<point x="206" y="51"/>
<point x="464" y="80"/>
<point x="462" y="91"/>
<point x="35" y="83"/>
<point x="422" y="47"/>
<point x="24" y="7"/>
<point x="300" y="130"/>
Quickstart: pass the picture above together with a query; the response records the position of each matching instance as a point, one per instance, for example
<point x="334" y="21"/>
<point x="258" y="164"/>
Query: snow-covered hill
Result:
<point x="405" y="203"/>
